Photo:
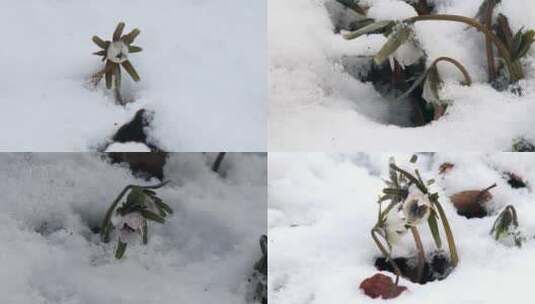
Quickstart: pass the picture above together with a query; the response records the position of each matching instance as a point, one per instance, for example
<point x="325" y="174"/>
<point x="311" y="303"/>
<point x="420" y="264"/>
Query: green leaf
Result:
<point x="118" y="31"/>
<point x="117" y="77"/>
<point x="395" y="40"/>
<point x="352" y="4"/>
<point x="163" y="205"/>
<point x="134" y="49"/>
<point x="145" y="232"/>
<point x="433" y="226"/>
<point x="527" y="40"/>
<point x="136" y="197"/>
<point x="100" y="53"/>
<point x="130" y="69"/>
<point x="149" y="215"/>
<point x="108" y="77"/>
<point x="101" y="43"/>
<point x="130" y="37"/>
<point x="119" y="251"/>
<point x="377" y="27"/>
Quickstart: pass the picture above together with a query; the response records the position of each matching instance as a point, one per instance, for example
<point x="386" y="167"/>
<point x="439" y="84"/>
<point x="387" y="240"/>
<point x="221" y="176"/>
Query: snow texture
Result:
<point x="204" y="253"/>
<point x="202" y="69"/>
<point x="322" y="207"/>
<point x="315" y="105"/>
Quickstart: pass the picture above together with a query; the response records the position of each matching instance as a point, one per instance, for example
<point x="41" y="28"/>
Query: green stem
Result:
<point x="106" y="223"/>
<point x="515" y="70"/>
<point x="421" y="253"/>
<point x="458" y="65"/>
<point x="449" y="235"/>
<point x="385" y="253"/>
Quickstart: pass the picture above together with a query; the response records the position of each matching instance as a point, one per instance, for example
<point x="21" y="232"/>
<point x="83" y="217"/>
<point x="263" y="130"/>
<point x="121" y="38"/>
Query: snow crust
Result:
<point x="203" y="76"/>
<point x="322" y="207"/>
<point x="315" y="105"/>
<point x="204" y="253"/>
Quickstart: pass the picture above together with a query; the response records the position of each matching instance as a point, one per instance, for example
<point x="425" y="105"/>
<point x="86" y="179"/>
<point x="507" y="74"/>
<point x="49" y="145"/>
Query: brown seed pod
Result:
<point x="472" y="203"/>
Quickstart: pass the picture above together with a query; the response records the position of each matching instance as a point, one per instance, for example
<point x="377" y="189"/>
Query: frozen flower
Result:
<point x="416" y="207"/>
<point x="395" y="226"/>
<point x="117" y="52"/>
<point x="128" y="225"/>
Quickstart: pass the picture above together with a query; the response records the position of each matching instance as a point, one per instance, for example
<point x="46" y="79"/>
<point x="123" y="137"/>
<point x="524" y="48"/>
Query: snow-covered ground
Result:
<point x="315" y="105"/>
<point x="202" y="69"/>
<point x="204" y="253"/>
<point x="322" y="206"/>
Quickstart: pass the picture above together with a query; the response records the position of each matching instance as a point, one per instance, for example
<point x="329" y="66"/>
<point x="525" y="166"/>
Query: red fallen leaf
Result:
<point x="380" y="285"/>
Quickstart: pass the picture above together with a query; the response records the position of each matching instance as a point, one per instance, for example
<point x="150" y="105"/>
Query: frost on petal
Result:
<point x="134" y="220"/>
<point x="416" y="207"/>
<point x="395" y="226"/>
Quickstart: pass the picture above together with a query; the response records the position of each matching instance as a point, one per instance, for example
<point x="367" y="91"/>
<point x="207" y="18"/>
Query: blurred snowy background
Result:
<point x="52" y="203"/>
<point x="322" y="207"/>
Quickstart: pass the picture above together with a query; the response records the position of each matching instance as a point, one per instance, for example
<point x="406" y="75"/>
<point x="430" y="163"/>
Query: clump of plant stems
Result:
<point x="506" y="229"/>
<point x="132" y="216"/>
<point x="510" y="48"/>
<point x="521" y="144"/>
<point x="410" y="205"/>
<point x="115" y="54"/>
<point x="517" y="45"/>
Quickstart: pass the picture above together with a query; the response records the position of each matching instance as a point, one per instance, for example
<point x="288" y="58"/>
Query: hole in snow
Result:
<point x="437" y="267"/>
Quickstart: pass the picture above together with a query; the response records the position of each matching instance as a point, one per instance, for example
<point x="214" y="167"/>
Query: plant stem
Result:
<point x="385" y="253"/>
<point x="449" y="235"/>
<point x="488" y="42"/>
<point x="515" y="70"/>
<point x="218" y="161"/>
<point x="106" y="223"/>
<point x="421" y="253"/>
<point x="462" y="69"/>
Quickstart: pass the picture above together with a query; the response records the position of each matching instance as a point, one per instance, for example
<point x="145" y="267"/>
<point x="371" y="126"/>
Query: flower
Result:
<point x="395" y="226"/>
<point x="117" y="52"/>
<point x="416" y="207"/>
<point x="129" y="224"/>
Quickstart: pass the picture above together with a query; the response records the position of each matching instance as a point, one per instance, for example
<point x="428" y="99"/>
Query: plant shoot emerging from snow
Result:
<point x="131" y="218"/>
<point x="410" y="205"/>
<point x="115" y="54"/>
<point x="506" y="229"/>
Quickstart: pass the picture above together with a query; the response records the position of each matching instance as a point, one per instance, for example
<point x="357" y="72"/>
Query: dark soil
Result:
<point x="437" y="267"/>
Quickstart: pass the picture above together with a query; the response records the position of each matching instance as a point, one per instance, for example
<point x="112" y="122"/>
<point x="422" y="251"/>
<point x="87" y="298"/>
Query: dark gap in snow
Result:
<point x="134" y="130"/>
<point x="142" y="164"/>
<point x="437" y="267"/>
<point x="515" y="181"/>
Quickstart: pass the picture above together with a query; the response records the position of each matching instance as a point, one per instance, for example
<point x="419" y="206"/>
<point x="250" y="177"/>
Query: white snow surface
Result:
<point x="202" y="69"/>
<point x="127" y="147"/>
<point x="322" y="207"/>
<point x="204" y="253"/>
<point x="315" y="105"/>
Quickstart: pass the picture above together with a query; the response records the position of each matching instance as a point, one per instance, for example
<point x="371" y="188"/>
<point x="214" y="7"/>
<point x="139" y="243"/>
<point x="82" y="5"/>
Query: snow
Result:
<point x="127" y="147"/>
<point x="204" y="253"/>
<point x="322" y="207"/>
<point x="315" y="105"/>
<point x="203" y="76"/>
